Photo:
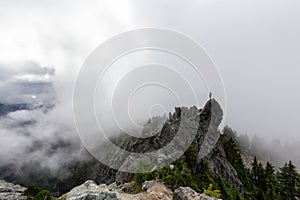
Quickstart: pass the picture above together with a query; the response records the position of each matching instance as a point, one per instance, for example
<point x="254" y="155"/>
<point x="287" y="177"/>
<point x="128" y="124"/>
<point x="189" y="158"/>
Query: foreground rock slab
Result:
<point x="152" y="190"/>
<point x="89" y="191"/>
<point x="11" y="191"/>
<point x="186" y="193"/>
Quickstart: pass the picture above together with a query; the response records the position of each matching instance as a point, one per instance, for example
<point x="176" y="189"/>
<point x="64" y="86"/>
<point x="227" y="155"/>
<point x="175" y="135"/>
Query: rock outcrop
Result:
<point x="186" y="193"/>
<point x="219" y="166"/>
<point x="198" y="125"/>
<point x="204" y="123"/>
<point x="152" y="190"/>
<point x="11" y="191"/>
<point x="89" y="190"/>
<point x="185" y="126"/>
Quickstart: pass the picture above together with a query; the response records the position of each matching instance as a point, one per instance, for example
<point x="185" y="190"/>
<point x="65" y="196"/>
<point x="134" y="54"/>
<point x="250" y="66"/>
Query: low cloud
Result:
<point x="38" y="126"/>
<point x="26" y="82"/>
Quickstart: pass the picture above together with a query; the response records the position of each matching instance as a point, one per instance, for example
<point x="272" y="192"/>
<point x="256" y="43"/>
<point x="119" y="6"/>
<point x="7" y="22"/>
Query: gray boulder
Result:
<point x="186" y="193"/>
<point x="11" y="191"/>
<point x="89" y="191"/>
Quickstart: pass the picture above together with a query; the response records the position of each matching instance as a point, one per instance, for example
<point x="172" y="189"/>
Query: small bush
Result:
<point x="43" y="195"/>
<point x="35" y="193"/>
<point x="211" y="192"/>
<point x="31" y="191"/>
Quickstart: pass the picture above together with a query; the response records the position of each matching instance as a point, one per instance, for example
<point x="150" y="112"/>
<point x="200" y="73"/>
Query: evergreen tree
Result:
<point x="235" y="159"/>
<point x="226" y="191"/>
<point x="288" y="179"/>
<point x="191" y="157"/>
<point x="255" y="171"/>
<point x="270" y="181"/>
<point x="298" y="186"/>
<point x="259" y="179"/>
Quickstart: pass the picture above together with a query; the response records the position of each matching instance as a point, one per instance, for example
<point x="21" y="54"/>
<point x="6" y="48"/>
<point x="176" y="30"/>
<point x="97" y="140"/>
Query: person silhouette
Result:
<point x="210" y="95"/>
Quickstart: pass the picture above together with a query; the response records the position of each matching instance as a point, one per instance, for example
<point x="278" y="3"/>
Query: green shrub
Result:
<point x="31" y="191"/>
<point x="35" y="193"/>
<point x="212" y="192"/>
<point x="142" y="174"/>
<point x="43" y="195"/>
<point x="179" y="176"/>
<point x="191" y="157"/>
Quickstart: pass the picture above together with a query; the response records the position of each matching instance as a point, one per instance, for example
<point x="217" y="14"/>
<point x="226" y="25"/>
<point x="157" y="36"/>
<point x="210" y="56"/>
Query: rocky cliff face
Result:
<point x="219" y="166"/>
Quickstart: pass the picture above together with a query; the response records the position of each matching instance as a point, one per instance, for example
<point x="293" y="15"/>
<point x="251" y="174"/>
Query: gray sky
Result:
<point x="255" y="45"/>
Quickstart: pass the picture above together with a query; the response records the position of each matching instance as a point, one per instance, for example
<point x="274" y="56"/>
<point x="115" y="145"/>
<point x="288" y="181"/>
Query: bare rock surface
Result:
<point x="186" y="193"/>
<point x="11" y="191"/>
<point x="88" y="191"/>
<point x="152" y="190"/>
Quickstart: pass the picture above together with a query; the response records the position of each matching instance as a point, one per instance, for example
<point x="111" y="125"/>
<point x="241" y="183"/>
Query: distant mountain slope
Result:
<point x="7" y="108"/>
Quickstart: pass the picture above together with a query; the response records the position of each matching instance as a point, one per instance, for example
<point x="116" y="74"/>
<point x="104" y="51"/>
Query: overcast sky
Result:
<point x="255" y="45"/>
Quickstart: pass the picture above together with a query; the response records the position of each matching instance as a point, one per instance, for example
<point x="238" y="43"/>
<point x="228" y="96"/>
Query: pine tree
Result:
<point x="298" y="186"/>
<point x="255" y="171"/>
<point x="270" y="192"/>
<point x="226" y="191"/>
<point x="259" y="179"/>
<point x="288" y="179"/>
<point x="235" y="159"/>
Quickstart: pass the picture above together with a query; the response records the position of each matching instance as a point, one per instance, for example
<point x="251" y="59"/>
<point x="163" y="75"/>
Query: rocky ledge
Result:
<point x="186" y="193"/>
<point x="151" y="190"/>
<point x="11" y="191"/>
